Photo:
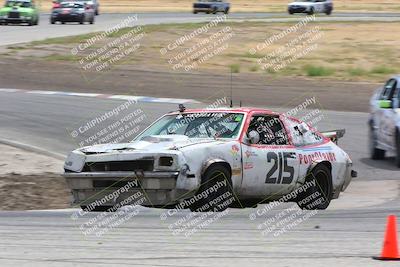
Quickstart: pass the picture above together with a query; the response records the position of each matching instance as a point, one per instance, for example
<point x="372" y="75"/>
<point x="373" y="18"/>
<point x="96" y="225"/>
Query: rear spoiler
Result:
<point x="334" y="135"/>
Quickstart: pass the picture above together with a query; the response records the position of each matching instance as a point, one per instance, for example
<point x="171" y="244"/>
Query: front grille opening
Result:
<point x="110" y="184"/>
<point x="166" y="161"/>
<point x="109" y="166"/>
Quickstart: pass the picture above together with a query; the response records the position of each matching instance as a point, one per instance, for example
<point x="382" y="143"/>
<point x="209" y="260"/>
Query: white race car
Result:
<point x="211" y="159"/>
<point x="384" y="121"/>
<point x="311" y="7"/>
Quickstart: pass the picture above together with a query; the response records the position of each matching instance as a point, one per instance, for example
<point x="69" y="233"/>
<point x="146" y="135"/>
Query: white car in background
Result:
<point x="311" y="7"/>
<point x="384" y="121"/>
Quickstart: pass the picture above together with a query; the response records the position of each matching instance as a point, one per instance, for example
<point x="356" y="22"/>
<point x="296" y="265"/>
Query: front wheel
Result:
<point x="226" y="11"/>
<point x="311" y="12"/>
<point x="215" y="192"/>
<point x="319" y="193"/>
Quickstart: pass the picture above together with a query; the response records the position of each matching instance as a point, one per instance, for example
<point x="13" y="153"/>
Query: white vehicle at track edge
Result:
<point x="190" y="158"/>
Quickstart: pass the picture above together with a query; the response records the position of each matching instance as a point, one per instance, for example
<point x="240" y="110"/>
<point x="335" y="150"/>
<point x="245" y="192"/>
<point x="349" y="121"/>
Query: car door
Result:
<point x="387" y="115"/>
<point x="270" y="165"/>
<point x="319" y="6"/>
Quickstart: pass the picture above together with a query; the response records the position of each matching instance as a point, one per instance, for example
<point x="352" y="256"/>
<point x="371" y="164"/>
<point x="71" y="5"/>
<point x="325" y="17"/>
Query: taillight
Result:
<point x="56" y="5"/>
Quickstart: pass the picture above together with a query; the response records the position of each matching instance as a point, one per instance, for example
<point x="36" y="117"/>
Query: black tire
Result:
<point x="226" y="11"/>
<point x="311" y="12"/>
<point x="31" y="22"/>
<point x="398" y="148"/>
<point x="52" y="21"/>
<point x="62" y="22"/>
<point x="82" y="21"/>
<point x="97" y="12"/>
<point x="92" y="21"/>
<point x="375" y="153"/>
<point x="290" y="12"/>
<point x="214" y="175"/>
<point x="323" y="185"/>
<point x="99" y="208"/>
<point x="194" y="12"/>
<point x="215" y="10"/>
<point x="328" y="12"/>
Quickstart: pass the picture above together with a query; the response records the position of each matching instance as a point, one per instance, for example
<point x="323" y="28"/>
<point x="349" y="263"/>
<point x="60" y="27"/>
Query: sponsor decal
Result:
<point x="318" y="155"/>
<point x="250" y="154"/>
<point x="235" y="150"/>
<point x="236" y="171"/>
<point x="248" y="165"/>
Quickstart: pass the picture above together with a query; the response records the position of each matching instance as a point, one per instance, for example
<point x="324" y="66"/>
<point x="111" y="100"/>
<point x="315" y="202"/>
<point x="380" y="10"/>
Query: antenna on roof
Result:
<point x="231" y="105"/>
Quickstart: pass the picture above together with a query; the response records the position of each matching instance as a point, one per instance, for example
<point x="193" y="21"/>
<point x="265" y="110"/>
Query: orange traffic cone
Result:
<point x="390" y="251"/>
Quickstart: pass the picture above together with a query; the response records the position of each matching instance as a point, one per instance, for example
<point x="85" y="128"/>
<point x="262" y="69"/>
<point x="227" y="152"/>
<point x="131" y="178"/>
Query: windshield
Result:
<point x="18" y="3"/>
<point x="72" y="5"/>
<point x="198" y="125"/>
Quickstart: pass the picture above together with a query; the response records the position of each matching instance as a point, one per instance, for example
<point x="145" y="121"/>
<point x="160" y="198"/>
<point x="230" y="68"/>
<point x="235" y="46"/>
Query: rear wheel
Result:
<point x="375" y="152"/>
<point x="319" y="195"/>
<point x="62" y="22"/>
<point x="328" y="12"/>
<point x="216" y="177"/>
<point x="226" y="11"/>
<point x="398" y="148"/>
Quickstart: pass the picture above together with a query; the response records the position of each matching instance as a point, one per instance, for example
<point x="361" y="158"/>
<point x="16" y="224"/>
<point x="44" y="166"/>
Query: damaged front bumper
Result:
<point x="159" y="188"/>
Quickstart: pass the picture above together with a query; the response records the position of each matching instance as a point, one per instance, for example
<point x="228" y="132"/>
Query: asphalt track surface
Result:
<point x="347" y="234"/>
<point x="14" y="34"/>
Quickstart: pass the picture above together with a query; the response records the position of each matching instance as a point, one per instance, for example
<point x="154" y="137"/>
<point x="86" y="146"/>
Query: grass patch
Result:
<point x="315" y="71"/>
<point x="357" y="71"/>
<point x="58" y="57"/>
<point x="254" y="68"/>
<point x="383" y="70"/>
<point x="235" y="68"/>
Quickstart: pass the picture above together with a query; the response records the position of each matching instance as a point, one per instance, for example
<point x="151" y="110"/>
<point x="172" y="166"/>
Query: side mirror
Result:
<point x="385" y="104"/>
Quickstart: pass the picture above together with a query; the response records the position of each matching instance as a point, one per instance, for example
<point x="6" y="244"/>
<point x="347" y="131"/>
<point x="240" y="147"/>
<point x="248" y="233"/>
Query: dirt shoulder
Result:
<point x="250" y="88"/>
<point x="29" y="181"/>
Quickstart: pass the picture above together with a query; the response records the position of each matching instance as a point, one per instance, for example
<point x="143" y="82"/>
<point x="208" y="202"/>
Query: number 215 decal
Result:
<point x="280" y="167"/>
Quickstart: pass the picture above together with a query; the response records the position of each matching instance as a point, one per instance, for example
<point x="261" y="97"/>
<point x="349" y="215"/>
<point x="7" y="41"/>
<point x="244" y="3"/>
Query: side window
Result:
<point x="270" y="130"/>
<point x="388" y="90"/>
<point x="309" y="137"/>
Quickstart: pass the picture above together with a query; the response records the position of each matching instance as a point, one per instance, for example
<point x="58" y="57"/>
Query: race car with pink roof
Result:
<point x="212" y="159"/>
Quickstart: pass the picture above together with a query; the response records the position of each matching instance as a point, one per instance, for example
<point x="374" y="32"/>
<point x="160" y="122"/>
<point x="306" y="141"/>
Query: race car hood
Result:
<point x="301" y="4"/>
<point x="154" y="143"/>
